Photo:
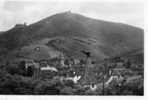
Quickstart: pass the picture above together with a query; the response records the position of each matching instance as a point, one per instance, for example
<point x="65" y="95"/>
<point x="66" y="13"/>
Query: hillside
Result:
<point x="71" y="33"/>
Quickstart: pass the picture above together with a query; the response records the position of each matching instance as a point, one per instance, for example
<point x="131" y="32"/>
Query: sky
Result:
<point x="29" y="11"/>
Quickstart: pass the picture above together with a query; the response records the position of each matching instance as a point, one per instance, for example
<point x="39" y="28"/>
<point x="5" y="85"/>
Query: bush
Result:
<point x="67" y="91"/>
<point x="46" y="87"/>
<point x="15" y="84"/>
<point x="14" y="69"/>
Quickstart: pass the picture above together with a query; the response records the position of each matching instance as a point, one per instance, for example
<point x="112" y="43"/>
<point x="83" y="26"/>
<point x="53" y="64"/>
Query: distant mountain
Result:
<point x="71" y="33"/>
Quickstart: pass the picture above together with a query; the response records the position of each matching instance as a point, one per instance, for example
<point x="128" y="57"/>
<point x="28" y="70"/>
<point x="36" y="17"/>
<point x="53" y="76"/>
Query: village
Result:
<point x="85" y="72"/>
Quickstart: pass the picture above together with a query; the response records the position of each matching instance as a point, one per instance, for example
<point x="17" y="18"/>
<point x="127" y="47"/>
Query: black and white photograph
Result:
<point x="71" y="48"/>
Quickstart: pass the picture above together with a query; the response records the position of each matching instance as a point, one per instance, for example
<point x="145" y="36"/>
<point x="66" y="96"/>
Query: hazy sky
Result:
<point x="13" y="12"/>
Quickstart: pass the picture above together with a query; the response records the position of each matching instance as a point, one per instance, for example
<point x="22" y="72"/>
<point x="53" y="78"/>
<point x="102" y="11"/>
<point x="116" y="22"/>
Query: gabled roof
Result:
<point x="49" y="68"/>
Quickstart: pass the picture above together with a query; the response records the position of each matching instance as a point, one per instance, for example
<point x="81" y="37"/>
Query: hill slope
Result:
<point x="71" y="33"/>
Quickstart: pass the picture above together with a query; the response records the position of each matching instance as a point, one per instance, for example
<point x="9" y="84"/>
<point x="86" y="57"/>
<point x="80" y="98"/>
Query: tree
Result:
<point x="22" y="68"/>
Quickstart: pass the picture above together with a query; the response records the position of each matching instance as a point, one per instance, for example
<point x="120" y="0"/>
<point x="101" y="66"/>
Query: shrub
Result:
<point x="67" y="91"/>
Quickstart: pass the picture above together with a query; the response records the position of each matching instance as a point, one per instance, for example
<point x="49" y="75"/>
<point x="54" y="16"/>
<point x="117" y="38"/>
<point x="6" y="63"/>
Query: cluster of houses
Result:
<point x="77" y="70"/>
<point x="49" y="68"/>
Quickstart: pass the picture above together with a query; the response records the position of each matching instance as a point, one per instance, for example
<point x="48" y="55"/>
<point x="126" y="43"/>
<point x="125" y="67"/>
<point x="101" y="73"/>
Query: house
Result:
<point x="75" y="79"/>
<point x="32" y="68"/>
<point x="133" y="78"/>
<point x="117" y="78"/>
<point x="20" y="25"/>
<point x="37" y="69"/>
<point x="76" y="61"/>
<point x="31" y="63"/>
<point x="48" y="68"/>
